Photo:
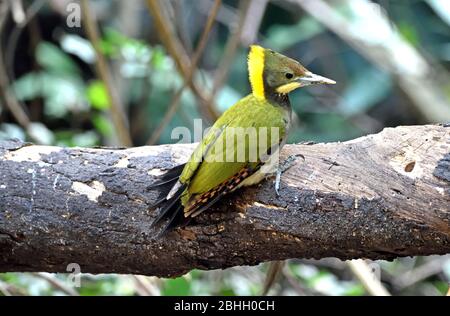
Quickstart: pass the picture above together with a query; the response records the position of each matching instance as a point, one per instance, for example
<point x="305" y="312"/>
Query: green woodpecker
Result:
<point x="239" y="147"/>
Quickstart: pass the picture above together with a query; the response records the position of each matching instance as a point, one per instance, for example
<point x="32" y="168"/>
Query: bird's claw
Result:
<point x="277" y="182"/>
<point x="285" y="165"/>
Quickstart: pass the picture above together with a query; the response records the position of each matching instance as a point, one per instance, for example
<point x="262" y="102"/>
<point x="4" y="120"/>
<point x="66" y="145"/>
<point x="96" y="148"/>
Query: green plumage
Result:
<point x="235" y="150"/>
<point x="204" y="175"/>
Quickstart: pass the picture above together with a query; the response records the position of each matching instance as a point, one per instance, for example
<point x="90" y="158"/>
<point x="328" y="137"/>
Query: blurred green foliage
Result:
<point x="300" y="277"/>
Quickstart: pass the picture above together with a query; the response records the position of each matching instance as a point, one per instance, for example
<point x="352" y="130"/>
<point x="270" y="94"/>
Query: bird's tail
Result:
<point x="170" y="208"/>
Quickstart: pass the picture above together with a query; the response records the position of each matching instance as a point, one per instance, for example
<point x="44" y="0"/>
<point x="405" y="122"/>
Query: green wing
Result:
<point x="221" y="155"/>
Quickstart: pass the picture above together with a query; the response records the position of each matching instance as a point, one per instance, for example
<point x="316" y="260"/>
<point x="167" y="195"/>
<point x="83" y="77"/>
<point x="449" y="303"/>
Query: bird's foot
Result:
<point x="285" y="165"/>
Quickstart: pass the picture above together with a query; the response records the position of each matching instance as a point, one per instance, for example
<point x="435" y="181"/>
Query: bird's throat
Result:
<point x="280" y="99"/>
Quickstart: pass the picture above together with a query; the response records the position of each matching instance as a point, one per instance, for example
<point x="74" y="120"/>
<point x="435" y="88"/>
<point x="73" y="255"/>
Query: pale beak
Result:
<point x="310" y="78"/>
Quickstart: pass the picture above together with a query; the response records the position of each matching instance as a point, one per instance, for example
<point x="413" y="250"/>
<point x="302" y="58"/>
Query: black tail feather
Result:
<point x="175" y="218"/>
<point x="163" y="182"/>
<point x="172" y="210"/>
<point x="159" y="201"/>
<point x="169" y="206"/>
<point x="171" y="176"/>
<point x="169" y="209"/>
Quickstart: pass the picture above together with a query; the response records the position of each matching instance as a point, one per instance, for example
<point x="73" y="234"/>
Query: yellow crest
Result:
<point x="256" y="70"/>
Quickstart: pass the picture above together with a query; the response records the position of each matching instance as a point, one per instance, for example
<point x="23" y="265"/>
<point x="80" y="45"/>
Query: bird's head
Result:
<point x="273" y="72"/>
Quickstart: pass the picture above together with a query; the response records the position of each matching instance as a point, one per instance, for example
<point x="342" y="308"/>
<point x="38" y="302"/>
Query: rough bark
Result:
<point x="381" y="196"/>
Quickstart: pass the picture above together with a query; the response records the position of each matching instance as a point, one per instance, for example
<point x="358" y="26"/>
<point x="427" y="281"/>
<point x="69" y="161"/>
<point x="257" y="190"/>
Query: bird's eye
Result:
<point x="289" y="75"/>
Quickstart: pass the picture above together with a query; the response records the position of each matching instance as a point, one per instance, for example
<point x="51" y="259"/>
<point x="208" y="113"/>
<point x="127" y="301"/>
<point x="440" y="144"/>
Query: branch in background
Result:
<point x="7" y="289"/>
<point x="231" y="47"/>
<point x="117" y="113"/>
<point x="9" y="98"/>
<point x="13" y="38"/>
<point x="128" y="22"/>
<point x="389" y="51"/>
<point x="168" y="37"/>
<point x="252" y="23"/>
<point x="178" y="53"/>
<point x="56" y="283"/>
<point x="426" y="270"/>
<point x="145" y="286"/>
<point x="367" y="278"/>
<point x="17" y="11"/>
<point x="298" y="286"/>
<point x="272" y="275"/>
<point x="378" y="197"/>
<point x="177" y="14"/>
<point x="227" y="14"/>
<point x="7" y="94"/>
<point x="4" y="289"/>
<point x="195" y="59"/>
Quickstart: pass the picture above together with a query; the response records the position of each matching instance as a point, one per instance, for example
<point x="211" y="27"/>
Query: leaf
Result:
<point x="62" y="93"/>
<point x="41" y="133"/>
<point x="86" y="139"/>
<point x="354" y="290"/>
<point x="78" y="46"/>
<point x="158" y="57"/>
<point x="227" y="292"/>
<point x="27" y="87"/>
<point x="176" y="287"/>
<point x="441" y="286"/>
<point x="102" y="124"/>
<point x="52" y="58"/>
<point x="59" y="84"/>
<point x="11" y="131"/>
<point x="409" y="33"/>
<point x="97" y="95"/>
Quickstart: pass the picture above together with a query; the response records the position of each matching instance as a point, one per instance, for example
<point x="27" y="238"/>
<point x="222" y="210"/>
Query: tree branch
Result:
<point x="381" y="196"/>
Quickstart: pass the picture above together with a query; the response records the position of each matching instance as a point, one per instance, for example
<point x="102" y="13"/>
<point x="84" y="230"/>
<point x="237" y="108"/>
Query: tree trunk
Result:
<point x="380" y="196"/>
